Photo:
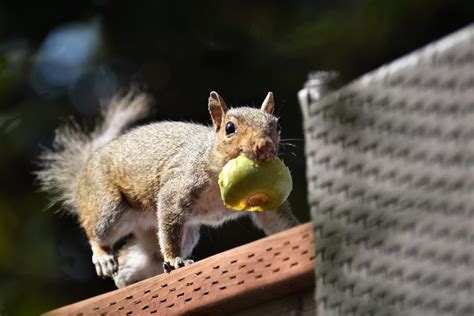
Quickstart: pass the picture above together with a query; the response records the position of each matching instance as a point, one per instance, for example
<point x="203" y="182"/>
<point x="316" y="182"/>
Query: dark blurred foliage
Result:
<point x="60" y="58"/>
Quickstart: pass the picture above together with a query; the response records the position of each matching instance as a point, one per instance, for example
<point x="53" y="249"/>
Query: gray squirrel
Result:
<point x="158" y="181"/>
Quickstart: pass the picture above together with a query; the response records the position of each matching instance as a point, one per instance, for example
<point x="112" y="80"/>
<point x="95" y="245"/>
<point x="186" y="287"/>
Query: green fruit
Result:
<point x="247" y="185"/>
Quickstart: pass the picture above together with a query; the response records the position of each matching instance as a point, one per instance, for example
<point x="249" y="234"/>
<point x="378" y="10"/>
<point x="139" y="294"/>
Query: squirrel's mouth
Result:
<point x="260" y="156"/>
<point x="260" y="150"/>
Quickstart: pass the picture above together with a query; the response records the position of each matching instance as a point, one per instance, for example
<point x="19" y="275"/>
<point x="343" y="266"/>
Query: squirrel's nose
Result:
<point x="264" y="149"/>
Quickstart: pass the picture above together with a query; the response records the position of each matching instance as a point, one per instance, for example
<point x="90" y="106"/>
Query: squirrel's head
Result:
<point x="252" y="132"/>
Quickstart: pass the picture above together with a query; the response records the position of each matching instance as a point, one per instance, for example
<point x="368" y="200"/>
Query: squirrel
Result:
<point x="158" y="182"/>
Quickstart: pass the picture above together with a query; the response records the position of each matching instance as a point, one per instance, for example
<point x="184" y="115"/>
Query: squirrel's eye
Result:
<point x="279" y="129"/>
<point x="229" y="128"/>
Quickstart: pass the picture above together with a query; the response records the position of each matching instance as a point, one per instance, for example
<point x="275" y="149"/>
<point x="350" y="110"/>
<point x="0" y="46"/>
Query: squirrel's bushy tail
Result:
<point x="72" y="146"/>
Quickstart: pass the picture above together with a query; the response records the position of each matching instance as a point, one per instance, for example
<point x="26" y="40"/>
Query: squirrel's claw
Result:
<point x="178" y="263"/>
<point x="167" y="267"/>
<point x="105" y="264"/>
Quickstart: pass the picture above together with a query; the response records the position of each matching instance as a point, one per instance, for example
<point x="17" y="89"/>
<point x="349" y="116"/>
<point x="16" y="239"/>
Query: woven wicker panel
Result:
<point x="390" y="161"/>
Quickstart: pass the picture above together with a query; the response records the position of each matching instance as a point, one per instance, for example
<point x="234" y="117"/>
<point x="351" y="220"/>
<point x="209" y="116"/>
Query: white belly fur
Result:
<point x="210" y="210"/>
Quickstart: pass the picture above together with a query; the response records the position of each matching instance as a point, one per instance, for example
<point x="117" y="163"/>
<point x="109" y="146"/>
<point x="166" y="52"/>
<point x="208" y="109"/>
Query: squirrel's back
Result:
<point x="159" y="143"/>
<point x="137" y="162"/>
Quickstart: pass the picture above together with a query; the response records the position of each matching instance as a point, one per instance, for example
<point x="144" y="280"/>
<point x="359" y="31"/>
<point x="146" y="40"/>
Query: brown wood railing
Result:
<point x="264" y="270"/>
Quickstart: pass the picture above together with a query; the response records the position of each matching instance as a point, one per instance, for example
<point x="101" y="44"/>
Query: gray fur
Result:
<point x="73" y="146"/>
<point x="161" y="177"/>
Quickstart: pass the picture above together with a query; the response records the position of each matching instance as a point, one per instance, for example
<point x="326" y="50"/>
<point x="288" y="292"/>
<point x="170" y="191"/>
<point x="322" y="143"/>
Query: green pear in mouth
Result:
<point x="248" y="185"/>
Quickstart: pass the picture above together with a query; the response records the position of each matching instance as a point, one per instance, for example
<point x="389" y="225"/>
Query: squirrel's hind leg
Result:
<point x="112" y="224"/>
<point x="105" y="214"/>
<point x="139" y="258"/>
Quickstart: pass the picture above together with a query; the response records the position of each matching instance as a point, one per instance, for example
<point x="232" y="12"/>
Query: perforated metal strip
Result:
<point x="265" y="269"/>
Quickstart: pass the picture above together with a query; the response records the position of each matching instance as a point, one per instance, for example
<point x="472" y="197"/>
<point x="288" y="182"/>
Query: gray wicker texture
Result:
<point x="390" y="168"/>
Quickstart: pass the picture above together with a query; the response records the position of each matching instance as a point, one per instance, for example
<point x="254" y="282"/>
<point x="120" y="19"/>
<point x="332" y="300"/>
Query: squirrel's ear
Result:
<point x="268" y="105"/>
<point x="217" y="109"/>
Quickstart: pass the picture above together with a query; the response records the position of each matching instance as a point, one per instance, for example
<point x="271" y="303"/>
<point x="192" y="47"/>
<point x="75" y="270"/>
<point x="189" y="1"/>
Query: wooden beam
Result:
<point x="301" y="304"/>
<point x="251" y="274"/>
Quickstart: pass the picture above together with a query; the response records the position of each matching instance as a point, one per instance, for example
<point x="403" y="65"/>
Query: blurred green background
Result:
<point x="61" y="58"/>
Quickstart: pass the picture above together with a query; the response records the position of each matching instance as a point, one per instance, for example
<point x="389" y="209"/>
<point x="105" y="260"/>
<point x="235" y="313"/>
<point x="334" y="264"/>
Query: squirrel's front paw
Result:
<point x="105" y="264"/>
<point x="178" y="263"/>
